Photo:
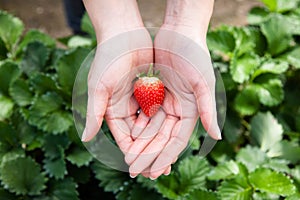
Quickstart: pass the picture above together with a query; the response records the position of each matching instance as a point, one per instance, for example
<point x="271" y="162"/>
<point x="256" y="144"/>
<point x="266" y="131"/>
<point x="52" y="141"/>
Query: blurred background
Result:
<point x="49" y="15"/>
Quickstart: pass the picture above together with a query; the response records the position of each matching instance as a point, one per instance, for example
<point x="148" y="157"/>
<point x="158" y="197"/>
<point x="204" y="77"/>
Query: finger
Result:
<point x="150" y="153"/>
<point x="205" y="98"/>
<point x="121" y="133"/>
<point x="168" y="171"/>
<point x="139" y="125"/>
<point x="145" y="137"/>
<point x="133" y="107"/>
<point x="178" y="142"/>
<point x="96" y="107"/>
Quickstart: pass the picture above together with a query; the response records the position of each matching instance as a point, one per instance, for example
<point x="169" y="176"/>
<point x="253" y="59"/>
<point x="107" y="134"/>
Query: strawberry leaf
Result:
<point x="279" y="42"/>
<point x="251" y="157"/>
<point x="286" y="150"/>
<point x="11" y="29"/>
<point x="243" y="67"/>
<point x="63" y="189"/>
<point x="9" y="72"/>
<point x="55" y="167"/>
<point x="79" y="157"/>
<point x="271" y="92"/>
<point x="221" y="40"/>
<point x="200" y="194"/>
<point x="20" y="92"/>
<point x="6" y="107"/>
<point x="46" y="114"/>
<point x="235" y="189"/>
<point x="35" y="36"/>
<point x="225" y="170"/>
<point x="67" y="67"/>
<point x="23" y="176"/>
<point x="246" y="102"/>
<point x="265" y="130"/>
<point x="110" y="179"/>
<point x="272" y="182"/>
<point x="191" y="175"/>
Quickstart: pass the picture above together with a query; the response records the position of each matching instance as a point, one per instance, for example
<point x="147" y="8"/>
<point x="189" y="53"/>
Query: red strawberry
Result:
<point x="149" y="92"/>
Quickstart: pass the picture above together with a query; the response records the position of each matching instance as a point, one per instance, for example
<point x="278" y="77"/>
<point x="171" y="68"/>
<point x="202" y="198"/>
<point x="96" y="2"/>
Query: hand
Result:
<point x="182" y="57"/>
<point x="123" y="44"/>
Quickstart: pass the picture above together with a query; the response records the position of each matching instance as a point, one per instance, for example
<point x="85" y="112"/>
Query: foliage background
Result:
<point x="259" y="157"/>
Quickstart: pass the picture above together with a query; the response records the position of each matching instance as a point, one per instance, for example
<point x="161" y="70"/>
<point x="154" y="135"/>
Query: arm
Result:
<point x="111" y="17"/>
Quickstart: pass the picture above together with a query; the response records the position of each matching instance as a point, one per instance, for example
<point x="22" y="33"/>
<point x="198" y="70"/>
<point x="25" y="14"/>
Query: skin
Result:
<point x="151" y="145"/>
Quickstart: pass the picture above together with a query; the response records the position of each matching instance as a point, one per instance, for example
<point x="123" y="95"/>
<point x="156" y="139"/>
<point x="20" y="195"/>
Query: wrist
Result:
<point x="189" y="17"/>
<point x="113" y="17"/>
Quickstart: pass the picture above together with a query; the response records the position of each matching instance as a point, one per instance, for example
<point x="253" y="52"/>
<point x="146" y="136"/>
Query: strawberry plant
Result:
<point x="43" y="158"/>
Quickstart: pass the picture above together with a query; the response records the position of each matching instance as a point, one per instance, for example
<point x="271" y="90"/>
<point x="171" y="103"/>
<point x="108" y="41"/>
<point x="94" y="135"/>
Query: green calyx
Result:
<point x="150" y="73"/>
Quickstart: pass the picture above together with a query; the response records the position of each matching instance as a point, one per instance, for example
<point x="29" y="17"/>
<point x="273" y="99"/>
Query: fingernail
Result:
<point x="219" y="136"/>
<point x="152" y="178"/>
<point x="167" y="174"/>
<point x="84" y="136"/>
<point x="133" y="175"/>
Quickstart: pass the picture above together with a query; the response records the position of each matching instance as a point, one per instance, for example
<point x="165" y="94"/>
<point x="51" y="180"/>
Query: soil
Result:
<point x="48" y="15"/>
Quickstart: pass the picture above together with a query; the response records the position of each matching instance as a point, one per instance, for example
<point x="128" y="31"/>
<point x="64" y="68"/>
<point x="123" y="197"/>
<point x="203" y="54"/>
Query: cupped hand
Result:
<point x="186" y="70"/>
<point x="110" y="84"/>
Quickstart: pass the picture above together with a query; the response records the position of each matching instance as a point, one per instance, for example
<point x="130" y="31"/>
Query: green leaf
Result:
<point x="23" y="176"/>
<point x="169" y="186"/>
<point x="193" y="171"/>
<point x="110" y="179"/>
<point x="257" y="15"/>
<point x="201" y="194"/>
<point x="6" y="107"/>
<point x="222" y="41"/>
<point x="137" y="193"/>
<point x="87" y="26"/>
<point x="242" y="68"/>
<point x="232" y="127"/>
<point x="277" y="165"/>
<point x="63" y="189"/>
<point x="265" y="130"/>
<point x="293" y="58"/>
<point x="245" y="42"/>
<point x="35" y="57"/>
<point x="7" y="134"/>
<point x="246" y="101"/>
<point x="36" y="36"/>
<point x="272" y="66"/>
<point x="9" y="72"/>
<point x="264" y="195"/>
<point x="79" y="157"/>
<point x="79" y="41"/>
<point x="279" y="42"/>
<point x="235" y="189"/>
<point x="191" y="175"/>
<point x="47" y="115"/>
<point x="270" y="181"/>
<point x="43" y="83"/>
<point x="54" y="145"/>
<point x="281" y="5"/>
<point x="286" y="150"/>
<point x="295" y="196"/>
<point x="271" y="93"/>
<point x="67" y="67"/>
<point x="225" y="170"/>
<point x="55" y="167"/>
<point x="3" y="50"/>
<point x="251" y="157"/>
<point x="20" y="92"/>
<point x="11" y="29"/>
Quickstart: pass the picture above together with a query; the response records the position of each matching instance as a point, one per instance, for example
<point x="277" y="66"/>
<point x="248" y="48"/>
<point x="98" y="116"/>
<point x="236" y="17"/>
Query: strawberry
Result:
<point x="149" y="92"/>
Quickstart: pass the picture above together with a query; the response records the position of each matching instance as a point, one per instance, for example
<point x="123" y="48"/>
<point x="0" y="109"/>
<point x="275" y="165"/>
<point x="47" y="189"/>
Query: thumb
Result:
<point x="205" y="97"/>
<point x="96" y="108"/>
